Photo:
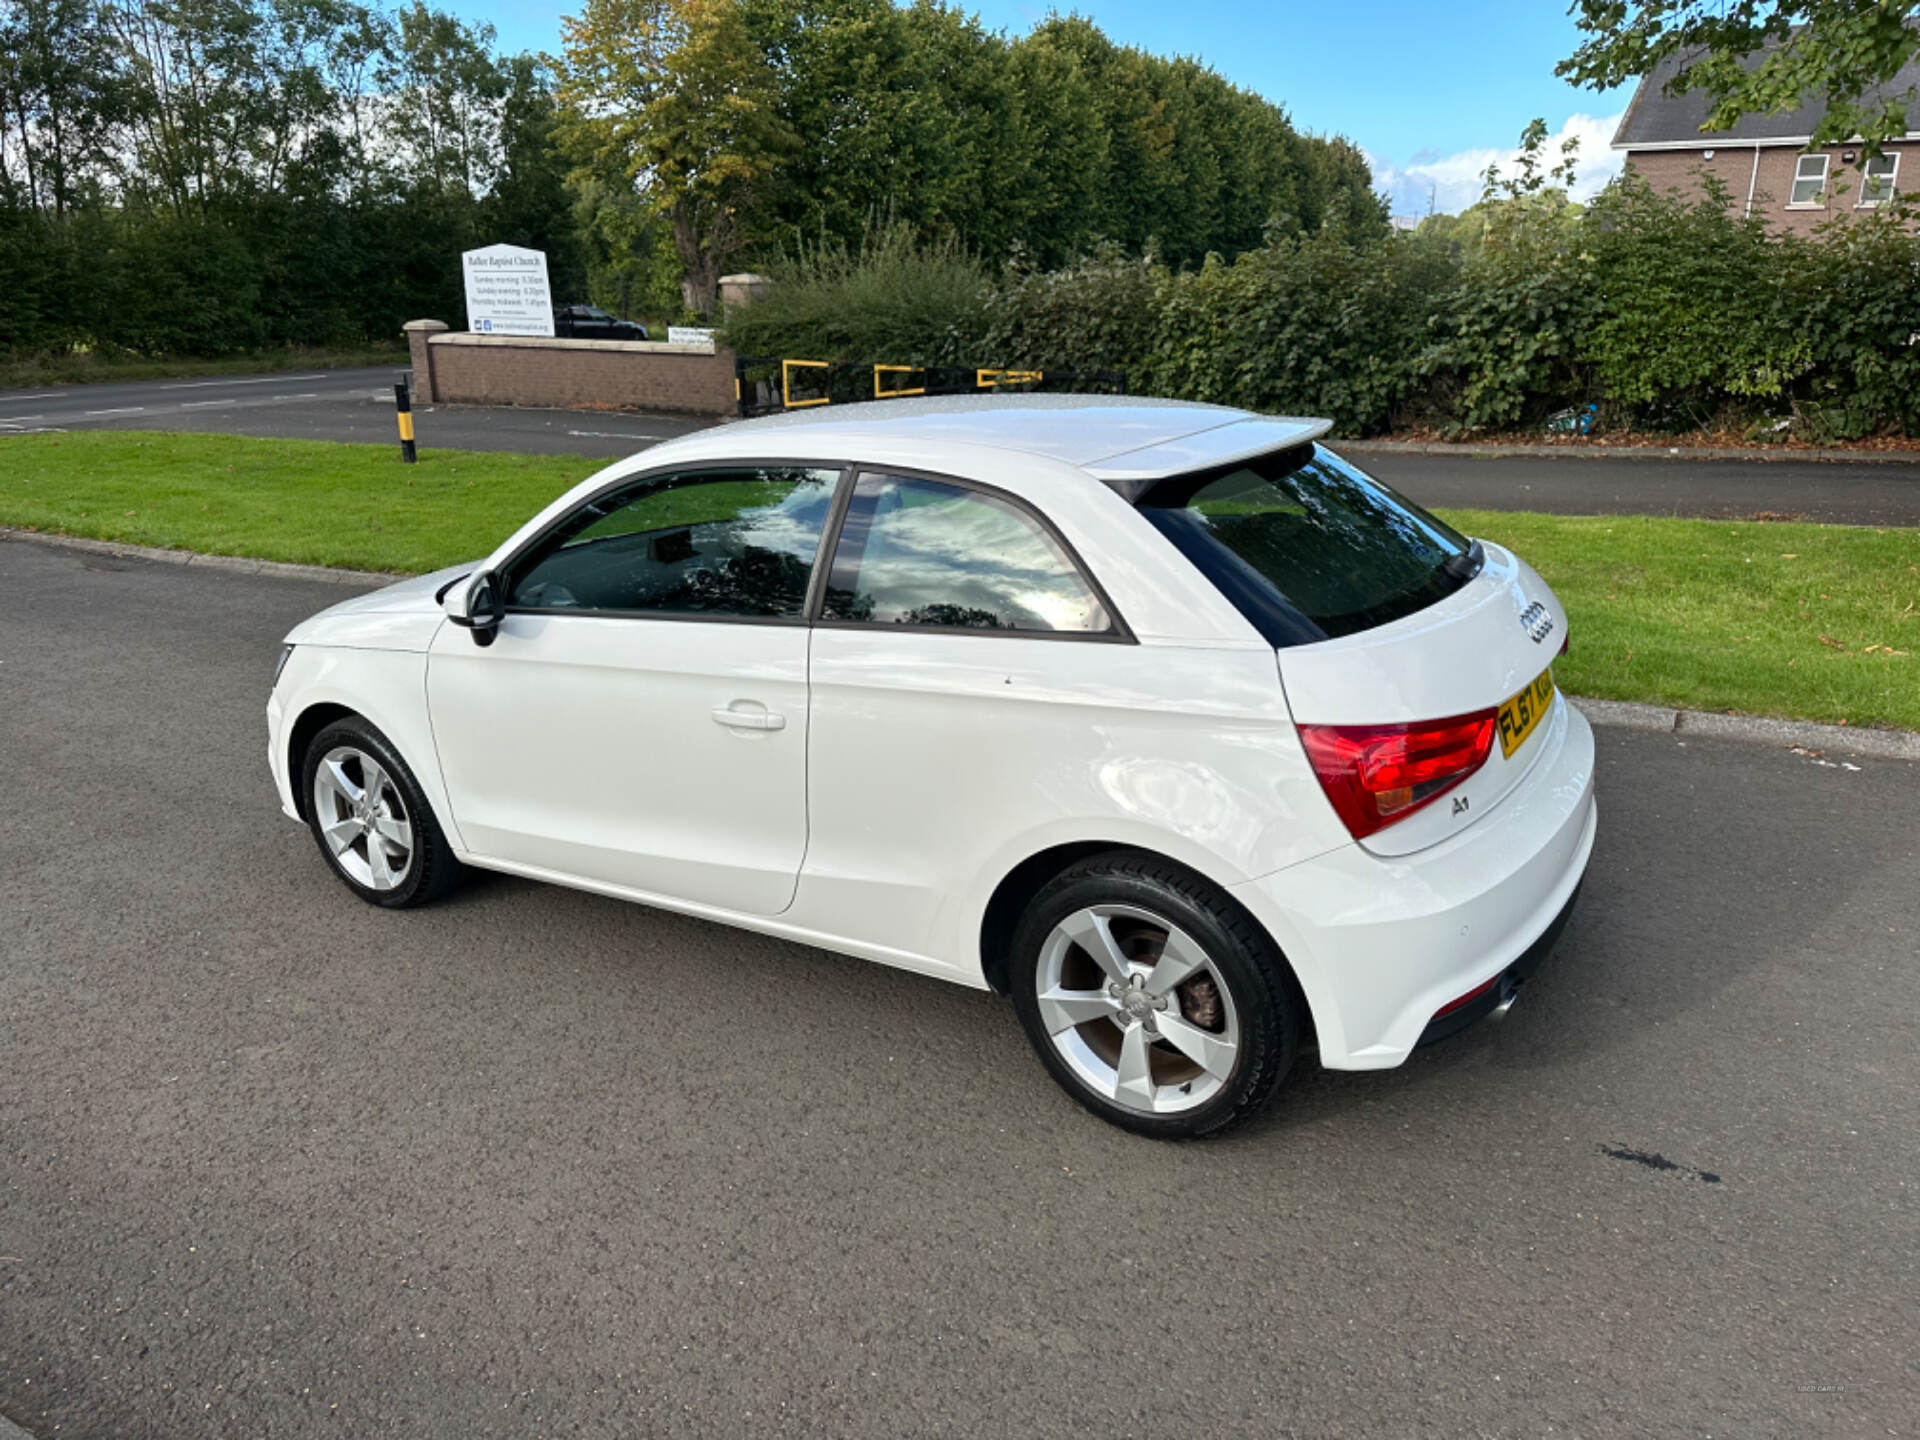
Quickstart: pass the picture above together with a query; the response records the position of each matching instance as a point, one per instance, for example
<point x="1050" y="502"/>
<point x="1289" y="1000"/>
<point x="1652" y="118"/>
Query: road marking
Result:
<point x="261" y="380"/>
<point x="21" y="399"/>
<point x="613" y="435"/>
<point x="124" y="410"/>
<point x="309" y="395"/>
<point x="204" y="404"/>
<point x="13" y="419"/>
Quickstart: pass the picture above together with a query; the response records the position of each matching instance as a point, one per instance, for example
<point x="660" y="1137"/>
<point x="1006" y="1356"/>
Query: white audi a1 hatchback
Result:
<point x="1161" y="719"/>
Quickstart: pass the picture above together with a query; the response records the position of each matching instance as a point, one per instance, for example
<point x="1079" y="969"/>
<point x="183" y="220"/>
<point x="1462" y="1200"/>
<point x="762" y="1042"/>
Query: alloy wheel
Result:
<point x="1137" y="1009"/>
<point x="362" y="818"/>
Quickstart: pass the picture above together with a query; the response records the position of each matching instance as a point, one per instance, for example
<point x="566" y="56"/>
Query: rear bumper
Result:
<point x="1382" y="943"/>
<point x="1499" y="994"/>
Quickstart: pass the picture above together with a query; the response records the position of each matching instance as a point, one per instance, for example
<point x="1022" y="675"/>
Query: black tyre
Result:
<point x="370" y="819"/>
<point x="1153" y="999"/>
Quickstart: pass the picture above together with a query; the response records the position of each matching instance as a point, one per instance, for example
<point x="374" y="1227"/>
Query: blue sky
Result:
<point x="1432" y="91"/>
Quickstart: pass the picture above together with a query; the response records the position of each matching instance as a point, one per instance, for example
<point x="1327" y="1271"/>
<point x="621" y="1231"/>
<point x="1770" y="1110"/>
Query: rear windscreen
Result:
<point x="1309" y="547"/>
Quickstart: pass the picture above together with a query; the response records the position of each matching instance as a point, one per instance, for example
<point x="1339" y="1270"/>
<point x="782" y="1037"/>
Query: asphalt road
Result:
<point x="274" y="1163"/>
<point x="357" y="405"/>
<point x="1870" y="493"/>
<point x="349" y="405"/>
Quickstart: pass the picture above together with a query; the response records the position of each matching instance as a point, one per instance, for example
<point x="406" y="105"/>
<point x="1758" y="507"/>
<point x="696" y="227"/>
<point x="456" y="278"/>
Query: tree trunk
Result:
<point x="700" y="267"/>
<point x="26" y="154"/>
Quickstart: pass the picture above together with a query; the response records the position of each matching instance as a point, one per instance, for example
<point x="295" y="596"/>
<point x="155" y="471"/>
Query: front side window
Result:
<point x="1809" y="179"/>
<point x="733" y="543"/>
<point x="921" y="552"/>
<point x="1307" y="546"/>
<point x="1877" y="183"/>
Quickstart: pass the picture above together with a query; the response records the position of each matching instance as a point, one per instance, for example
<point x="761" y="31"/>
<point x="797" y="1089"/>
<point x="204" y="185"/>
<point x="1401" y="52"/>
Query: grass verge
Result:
<point x="30" y="372"/>
<point x="1814" y="622"/>
<point x="314" y="502"/>
<point x="1818" y="622"/>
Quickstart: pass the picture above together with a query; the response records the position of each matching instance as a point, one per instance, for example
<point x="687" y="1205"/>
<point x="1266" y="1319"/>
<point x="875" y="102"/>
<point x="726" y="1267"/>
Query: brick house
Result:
<point x="1763" y="161"/>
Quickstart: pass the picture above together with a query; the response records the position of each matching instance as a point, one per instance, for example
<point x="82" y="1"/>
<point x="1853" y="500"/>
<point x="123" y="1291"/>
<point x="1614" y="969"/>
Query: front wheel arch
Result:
<point x="309" y="723"/>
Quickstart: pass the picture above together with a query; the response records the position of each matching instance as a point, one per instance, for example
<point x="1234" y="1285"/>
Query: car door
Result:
<point x="640" y="720"/>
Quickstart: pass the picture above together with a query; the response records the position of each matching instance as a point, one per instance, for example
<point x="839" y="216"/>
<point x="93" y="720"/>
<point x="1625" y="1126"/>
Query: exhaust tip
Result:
<point x="1509" y="993"/>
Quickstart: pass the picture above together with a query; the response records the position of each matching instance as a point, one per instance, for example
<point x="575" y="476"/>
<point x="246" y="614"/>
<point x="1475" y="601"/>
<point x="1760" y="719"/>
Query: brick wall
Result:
<point x="456" y="368"/>
<point x="1772" y="181"/>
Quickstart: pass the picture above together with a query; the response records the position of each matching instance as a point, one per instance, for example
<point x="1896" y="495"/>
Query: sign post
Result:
<point x="507" y="291"/>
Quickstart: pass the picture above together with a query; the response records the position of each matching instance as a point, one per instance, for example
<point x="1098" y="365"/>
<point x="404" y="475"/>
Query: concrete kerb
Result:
<point x="1468" y="450"/>
<point x="11" y="1431"/>
<point x="242" y="564"/>
<point x="1753" y="730"/>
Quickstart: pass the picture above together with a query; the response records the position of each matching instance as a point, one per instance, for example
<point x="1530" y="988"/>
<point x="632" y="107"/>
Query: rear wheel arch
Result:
<point x="1014" y="893"/>
<point x="1026" y="880"/>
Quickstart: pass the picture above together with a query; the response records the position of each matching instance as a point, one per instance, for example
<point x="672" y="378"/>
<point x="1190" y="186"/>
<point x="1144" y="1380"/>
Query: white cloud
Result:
<point x="1450" y="183"/>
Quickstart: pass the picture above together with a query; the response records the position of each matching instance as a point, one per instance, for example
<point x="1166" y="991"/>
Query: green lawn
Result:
<point x="30" y="372"/>
<point x="1816" y="621"/>
<point x="1820" y="622"/>
<point x="311" y="501"/>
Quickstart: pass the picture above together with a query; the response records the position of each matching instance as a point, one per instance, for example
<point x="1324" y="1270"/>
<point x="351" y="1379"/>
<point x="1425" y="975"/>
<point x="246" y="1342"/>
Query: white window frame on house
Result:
<point x="1819" y="198"/>
<point x="1877" y="190"/>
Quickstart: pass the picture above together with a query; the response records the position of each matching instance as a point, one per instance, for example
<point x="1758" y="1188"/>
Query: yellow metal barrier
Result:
<point x="883" y="394"/>
<point x="993" y="379"/>
<point x="787" y="367"/>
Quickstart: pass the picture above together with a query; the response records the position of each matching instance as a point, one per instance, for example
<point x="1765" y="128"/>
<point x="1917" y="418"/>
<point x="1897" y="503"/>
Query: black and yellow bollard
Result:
<point x="403" y="405"/>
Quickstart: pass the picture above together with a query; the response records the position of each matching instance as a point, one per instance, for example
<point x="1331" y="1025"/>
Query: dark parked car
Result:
<point x="590" y="322"/>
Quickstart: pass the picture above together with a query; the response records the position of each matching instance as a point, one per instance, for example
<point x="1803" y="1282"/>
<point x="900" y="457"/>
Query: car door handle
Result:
<point x="748" y="719"/>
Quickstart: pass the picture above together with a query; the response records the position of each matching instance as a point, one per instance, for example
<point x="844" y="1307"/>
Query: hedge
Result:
<point x="1663" y="312"/>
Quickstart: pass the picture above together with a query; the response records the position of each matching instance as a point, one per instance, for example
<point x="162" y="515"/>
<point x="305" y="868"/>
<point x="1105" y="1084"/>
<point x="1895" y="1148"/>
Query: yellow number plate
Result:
<point x="1520" y="714"/>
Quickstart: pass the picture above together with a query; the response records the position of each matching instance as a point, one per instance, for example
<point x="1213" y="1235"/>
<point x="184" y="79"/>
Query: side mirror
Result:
<point x="477" y="607"/>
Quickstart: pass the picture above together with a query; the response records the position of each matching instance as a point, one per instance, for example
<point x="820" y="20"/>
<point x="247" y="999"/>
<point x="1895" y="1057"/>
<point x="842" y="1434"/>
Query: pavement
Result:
<point x="357" y="405"/>
<point x="532" y="1162"/>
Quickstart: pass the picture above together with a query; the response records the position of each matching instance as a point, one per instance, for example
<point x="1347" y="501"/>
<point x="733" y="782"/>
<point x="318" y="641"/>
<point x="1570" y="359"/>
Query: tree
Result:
<point x="59" y="96"/>
<point x="847" y="86"/>
<point x="674" y="98"/>
<point x="1761" y="57"/>
<point x="447" y="89"/>
<point x="528" y="203"/>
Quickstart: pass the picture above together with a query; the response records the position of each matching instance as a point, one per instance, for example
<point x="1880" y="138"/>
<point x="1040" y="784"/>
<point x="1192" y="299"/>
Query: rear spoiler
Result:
<point x="1134" y="472"/>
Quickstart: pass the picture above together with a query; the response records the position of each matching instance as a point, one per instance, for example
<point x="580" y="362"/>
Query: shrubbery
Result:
<point x="1665" y="313"/>
<point x="892" y="297"/>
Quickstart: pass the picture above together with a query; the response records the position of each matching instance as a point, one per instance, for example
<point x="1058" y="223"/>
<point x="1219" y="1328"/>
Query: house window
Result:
<point x="1876" y="185"/>
<point x="1809" y="180"/>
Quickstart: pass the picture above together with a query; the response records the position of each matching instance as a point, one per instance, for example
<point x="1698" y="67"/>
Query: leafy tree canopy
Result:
<point x="1761" y="57"/>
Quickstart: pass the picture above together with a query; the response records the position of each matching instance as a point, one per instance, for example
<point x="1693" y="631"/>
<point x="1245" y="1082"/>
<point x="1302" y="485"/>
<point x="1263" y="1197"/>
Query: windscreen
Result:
<point x="1308" y="546"/>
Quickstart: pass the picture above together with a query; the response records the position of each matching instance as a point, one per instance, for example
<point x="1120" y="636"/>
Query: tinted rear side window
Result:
<point x="923" y="553"/>
<point x="1309" y="547"/>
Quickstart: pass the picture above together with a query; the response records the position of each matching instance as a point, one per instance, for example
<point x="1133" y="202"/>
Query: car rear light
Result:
<point x="1378" y="774"/>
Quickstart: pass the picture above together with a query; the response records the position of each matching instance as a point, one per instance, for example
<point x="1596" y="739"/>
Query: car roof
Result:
<point x="1124" y="440"/>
